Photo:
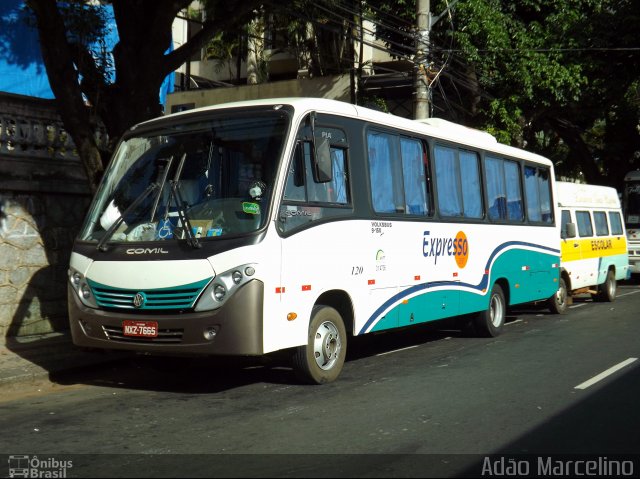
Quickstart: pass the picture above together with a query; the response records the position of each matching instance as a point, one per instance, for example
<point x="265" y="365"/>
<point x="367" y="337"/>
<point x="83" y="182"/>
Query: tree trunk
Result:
<point x="63" y="78"/>
<point x="141" y="64"/>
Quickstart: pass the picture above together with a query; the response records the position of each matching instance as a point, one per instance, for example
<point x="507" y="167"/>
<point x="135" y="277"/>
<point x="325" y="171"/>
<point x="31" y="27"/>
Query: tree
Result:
<point x="555" y="76"/>
<point x="140" y="63"/>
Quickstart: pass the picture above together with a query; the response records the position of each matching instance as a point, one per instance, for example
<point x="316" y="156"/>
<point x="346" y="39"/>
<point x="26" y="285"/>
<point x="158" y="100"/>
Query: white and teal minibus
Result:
<point x="295" y="224"/>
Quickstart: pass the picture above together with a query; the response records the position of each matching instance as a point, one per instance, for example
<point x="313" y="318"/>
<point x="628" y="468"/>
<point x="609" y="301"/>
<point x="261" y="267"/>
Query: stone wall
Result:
<point x="43" y="199"/>
<point x="36" y="235"/>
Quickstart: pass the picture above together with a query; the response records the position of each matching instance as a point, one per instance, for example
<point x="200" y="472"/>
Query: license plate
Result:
<point x="141" y="329"/>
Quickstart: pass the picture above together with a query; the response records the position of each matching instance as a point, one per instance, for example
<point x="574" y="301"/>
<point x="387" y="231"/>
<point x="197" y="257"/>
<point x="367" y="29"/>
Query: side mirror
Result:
<point x="571" y="230"/>
<point x="322" y="164"/>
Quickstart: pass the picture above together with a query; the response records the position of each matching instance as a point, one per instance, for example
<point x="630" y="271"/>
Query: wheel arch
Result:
<point x="341" y="302"/>
<point x="506" y="289"/>
<point x="564" y="274"/>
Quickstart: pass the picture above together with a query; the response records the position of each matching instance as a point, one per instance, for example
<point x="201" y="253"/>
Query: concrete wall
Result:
<point x="43" y="199"/>
<point x="336" y="88"/>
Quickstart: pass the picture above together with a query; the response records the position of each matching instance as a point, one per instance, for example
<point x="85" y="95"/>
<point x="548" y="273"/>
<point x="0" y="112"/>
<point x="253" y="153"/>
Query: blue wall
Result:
<point x="22" y="70"/>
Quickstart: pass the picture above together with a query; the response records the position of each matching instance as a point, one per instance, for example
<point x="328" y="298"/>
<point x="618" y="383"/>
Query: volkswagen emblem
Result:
<point x="139" y="299"/>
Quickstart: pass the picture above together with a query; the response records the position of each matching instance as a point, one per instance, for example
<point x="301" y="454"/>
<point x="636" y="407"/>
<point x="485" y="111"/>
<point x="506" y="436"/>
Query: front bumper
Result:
<point x="238" y="324"/>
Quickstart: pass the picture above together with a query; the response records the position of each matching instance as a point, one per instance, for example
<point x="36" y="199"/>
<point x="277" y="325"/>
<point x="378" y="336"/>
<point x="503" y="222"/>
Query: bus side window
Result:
<point x="415" y="191"/>
<point x="616" y="223"/>
<point x="338" y="190"/>
<point x="585" y="229"/>
<point x="307" y="200"/>
<point x="381" y="172"/>
<point x="544" y="182"/>
<point x="503" y="190"/>
<point x="600" y="220"/>
<point x="447" y="181"/>
<point x="471" y="189"/>
<point x="458" y="182"/>
<point x="334" y="190"/>
<point x="537" y="187"/>
<point x="294" y="187"/>
<point x="496" y="190"/>
<point x="515" y="209"/>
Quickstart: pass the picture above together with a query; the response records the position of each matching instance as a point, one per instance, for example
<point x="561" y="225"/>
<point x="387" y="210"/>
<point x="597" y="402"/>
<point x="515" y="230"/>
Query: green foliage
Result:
<point x="560" y="77"/>
<point x="87" y="27"/>
<point x="374" y="102"/>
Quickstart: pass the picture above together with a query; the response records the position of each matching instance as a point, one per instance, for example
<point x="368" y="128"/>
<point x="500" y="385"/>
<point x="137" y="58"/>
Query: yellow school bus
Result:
<point x="593" y="243"/>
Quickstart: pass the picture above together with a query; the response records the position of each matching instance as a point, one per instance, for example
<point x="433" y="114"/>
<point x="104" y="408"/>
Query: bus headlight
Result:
<point x="86" y="291"/>
<point x="79" y="284"/>
<point x="75" y="278"/>
<point x="219" y="292"/>
<point x="223" y="286"/>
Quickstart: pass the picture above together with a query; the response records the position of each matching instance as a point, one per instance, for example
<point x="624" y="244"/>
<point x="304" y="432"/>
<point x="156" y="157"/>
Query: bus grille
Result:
<point x="179" y="297"/>
<point x="165" y="336"/>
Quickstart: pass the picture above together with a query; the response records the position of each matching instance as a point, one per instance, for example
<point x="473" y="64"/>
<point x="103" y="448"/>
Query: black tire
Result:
<point x="607" y="290"/>
<point x="321" y="360"/>
<point x="559" y="302"/>
<point x="489" y="323"/>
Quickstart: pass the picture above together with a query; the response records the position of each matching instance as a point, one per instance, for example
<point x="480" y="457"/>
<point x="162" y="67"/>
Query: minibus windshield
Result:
<point x="190" y="182"/>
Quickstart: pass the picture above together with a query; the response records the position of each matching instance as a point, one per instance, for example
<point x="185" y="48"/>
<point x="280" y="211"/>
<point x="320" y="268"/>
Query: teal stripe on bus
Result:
<point x="425" y="300"/>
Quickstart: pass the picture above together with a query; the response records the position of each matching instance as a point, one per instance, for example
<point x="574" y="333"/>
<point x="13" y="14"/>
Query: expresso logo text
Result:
<point x="435" y="247"/>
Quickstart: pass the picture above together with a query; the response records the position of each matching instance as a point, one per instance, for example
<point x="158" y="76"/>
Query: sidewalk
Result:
<point x="35" y="358"/>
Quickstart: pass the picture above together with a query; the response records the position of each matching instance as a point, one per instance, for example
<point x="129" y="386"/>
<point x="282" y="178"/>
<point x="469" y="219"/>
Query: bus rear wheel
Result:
<point x="321" y="360"/>
<point x="559" y="302"/>
<point x="607" y="290"/>
<point x="489" y="323"/>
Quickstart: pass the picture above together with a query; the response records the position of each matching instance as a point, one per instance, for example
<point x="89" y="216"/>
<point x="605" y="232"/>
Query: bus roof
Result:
<point x="433" y="127"/>
<point x="579" y="195"/>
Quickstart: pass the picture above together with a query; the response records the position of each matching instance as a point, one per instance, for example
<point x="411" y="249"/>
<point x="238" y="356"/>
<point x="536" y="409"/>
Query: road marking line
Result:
<point x="398" y="350"/>
<point x="513" y="322"/>
<point x="606" y="373"/>
<point x="627" y="294"/>
<point x="578" y="305"/>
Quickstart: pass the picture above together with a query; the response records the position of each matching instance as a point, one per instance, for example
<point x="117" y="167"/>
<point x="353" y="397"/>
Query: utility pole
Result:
<point x="422" y="90"/>
<point x="422" y="100"/>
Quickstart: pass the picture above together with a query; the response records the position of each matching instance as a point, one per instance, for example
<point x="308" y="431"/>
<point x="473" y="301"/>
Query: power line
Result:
<point x="548" y="50"/>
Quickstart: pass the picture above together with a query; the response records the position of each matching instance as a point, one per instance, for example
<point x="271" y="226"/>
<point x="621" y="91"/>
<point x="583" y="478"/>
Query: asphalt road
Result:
<point x="425" y="402"/>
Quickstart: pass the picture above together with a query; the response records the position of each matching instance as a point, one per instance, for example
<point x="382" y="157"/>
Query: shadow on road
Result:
<point x="206" y="375"/>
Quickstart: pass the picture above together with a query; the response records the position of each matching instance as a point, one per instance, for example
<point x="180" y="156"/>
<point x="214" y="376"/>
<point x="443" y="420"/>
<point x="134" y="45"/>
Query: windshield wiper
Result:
<point x="165" y="173"/>
<point x="102" y="243"/>
<point x="180" y="204"/>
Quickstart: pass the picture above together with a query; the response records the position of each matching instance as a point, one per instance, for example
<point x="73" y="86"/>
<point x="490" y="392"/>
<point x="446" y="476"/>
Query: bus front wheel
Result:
<point x="489" y="322"/>
<point x="321" y="360"/>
